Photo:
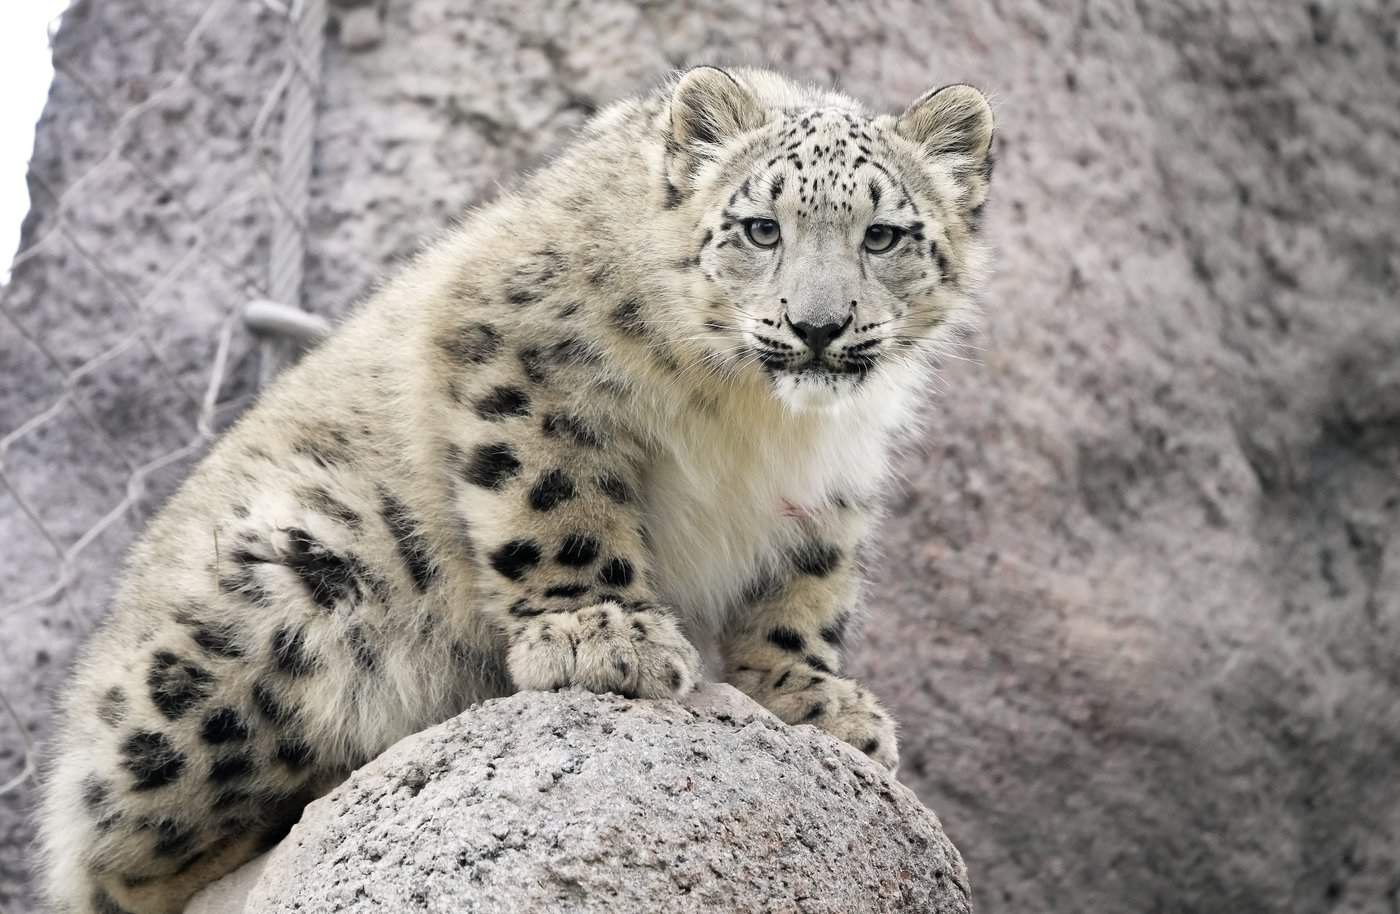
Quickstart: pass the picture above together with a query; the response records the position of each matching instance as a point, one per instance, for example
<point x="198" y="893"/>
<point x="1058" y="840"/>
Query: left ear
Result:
<point x="954" y="123"/>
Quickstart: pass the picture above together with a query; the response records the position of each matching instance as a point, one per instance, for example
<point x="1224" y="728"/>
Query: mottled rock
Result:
<point x="570" y="801"/>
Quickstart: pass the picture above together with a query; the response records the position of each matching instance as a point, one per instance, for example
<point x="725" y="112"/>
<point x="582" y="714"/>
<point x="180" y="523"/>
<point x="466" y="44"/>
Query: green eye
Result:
<point x="880" y="238"/>
<point x="763" y="232"/>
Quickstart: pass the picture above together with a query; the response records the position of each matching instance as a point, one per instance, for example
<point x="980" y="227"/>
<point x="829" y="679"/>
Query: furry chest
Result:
<point x="715" y="519"/>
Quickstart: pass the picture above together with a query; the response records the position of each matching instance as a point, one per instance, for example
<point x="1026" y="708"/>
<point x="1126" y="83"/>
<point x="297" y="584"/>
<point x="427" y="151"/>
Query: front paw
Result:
<point x="640" y="653"/>
<point x="842" y="707"/>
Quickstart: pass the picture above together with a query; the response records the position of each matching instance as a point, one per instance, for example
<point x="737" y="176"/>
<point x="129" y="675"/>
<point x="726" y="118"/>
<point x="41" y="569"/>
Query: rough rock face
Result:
<point x="1140" y="606"/>
<point x="585" y="803"/>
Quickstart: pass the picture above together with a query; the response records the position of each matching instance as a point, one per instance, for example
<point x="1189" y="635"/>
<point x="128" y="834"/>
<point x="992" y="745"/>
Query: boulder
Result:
<point x="571" y="801"/>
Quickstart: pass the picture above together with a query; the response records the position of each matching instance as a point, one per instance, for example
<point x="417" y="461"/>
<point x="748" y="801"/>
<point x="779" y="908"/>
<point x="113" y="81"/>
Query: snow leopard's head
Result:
<point x="832" y="245"/>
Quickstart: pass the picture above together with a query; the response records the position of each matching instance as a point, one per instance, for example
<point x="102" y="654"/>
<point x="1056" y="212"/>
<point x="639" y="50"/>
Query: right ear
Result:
<point x="709" y="107"/>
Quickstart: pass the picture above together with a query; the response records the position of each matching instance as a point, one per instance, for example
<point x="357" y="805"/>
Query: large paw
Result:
<point x="842" y="707"/>
<point x="640" y="653"/>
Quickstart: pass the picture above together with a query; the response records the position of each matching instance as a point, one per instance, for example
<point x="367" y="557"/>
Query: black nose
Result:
<point x="818" y="336"/>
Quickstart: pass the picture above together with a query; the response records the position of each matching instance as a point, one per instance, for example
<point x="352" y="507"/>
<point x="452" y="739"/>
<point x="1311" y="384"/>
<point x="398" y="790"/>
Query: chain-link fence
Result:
<point x="163" y="205"/>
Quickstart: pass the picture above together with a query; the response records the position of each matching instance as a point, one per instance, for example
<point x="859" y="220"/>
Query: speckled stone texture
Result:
<point x="585" y="803"/>
<point x="1139" y="603"/>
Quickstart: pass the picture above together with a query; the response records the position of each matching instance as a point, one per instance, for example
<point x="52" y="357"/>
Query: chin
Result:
<point x="810" y="392"/>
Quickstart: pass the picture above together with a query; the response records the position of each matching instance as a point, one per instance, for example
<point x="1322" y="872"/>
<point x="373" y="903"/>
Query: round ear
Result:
<point x="953" y="120"/>
<point x="709" y="106"/>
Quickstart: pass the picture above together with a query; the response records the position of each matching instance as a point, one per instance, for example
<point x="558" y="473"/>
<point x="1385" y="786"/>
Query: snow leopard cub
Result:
<point x="640" y="407"/>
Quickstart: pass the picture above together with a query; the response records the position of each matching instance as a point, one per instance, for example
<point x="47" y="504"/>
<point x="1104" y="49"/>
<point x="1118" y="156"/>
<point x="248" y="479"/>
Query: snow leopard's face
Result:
<point x="836" y="245"/>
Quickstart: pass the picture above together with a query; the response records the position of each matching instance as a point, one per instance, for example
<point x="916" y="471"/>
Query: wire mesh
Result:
<point x="121" y="327"/>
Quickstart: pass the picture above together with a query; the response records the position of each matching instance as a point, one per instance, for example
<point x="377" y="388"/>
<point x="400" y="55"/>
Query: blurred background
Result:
<point x="1139" y="605"/>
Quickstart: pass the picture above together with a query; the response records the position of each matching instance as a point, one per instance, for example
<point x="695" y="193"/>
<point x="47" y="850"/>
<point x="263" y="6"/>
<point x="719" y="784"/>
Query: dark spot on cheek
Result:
<point x="513" y="560"/>
<point x="817" y="663"/>
<point x="870" y="746"/>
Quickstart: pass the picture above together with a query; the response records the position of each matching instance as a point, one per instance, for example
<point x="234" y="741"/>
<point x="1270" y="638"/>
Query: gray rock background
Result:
<point x="1141" y="612"/>
<point x="570" y="801"/>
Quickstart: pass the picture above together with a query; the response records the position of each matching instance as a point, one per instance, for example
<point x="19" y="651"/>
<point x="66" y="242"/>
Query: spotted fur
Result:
<point x="592" y="435"/>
